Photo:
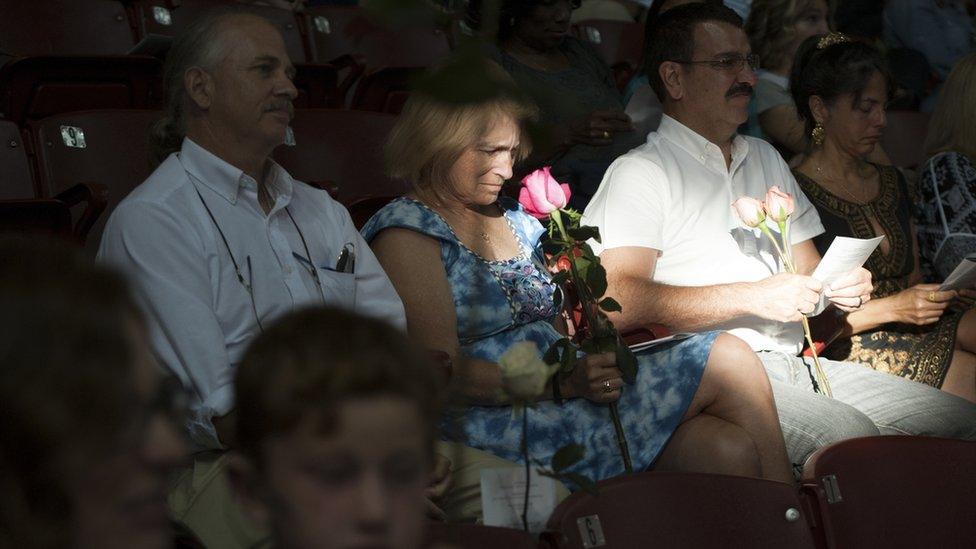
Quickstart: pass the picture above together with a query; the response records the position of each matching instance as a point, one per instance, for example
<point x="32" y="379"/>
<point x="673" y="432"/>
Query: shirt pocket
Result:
<point x="339" y="288"/>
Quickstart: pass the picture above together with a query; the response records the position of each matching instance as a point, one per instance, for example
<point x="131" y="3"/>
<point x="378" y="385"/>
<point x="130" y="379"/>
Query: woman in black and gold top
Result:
<point x="908" y="328"/>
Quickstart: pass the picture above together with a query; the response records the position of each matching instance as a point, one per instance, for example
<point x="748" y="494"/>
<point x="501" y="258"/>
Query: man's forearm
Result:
<point x="680" y="308"/>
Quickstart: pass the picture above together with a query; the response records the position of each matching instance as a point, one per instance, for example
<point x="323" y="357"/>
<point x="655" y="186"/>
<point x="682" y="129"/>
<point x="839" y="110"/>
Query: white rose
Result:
<point x="524" y="373"/>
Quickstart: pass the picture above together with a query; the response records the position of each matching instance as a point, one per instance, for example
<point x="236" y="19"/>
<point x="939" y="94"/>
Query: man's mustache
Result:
<point x="741" y="88"/>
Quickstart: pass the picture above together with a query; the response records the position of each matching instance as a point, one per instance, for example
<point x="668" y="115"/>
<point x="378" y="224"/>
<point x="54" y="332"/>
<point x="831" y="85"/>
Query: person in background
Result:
<point x="220" y="241"/>
<point x="665" y="220"/>
<point x="947" y="190"/>
<point x="336" y="433"/>
<point x="88" y="428"/>
<point x="470" y="269"/>
<point x="941" y="29"/>
<point x="776" y="28"/>
<point x="841" y="88"/>
<point x="582" y="119"/>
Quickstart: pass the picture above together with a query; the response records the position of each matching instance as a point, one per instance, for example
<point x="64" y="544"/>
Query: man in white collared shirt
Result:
<point x="677" y="255"/>
<point x="220" y="241"/>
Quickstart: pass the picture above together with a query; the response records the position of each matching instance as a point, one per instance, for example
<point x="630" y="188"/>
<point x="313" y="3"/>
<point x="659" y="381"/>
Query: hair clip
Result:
<point x="832" y="38"/>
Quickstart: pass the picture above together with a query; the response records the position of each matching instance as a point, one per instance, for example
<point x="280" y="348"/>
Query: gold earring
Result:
<point x="817" y="135"/>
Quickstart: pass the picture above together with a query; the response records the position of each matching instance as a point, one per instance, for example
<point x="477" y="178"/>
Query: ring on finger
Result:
<point x="606" y="134"/>
<point x="931" y="296"/>
<point x="860" y="301"/>
<point x="607" y="386"/>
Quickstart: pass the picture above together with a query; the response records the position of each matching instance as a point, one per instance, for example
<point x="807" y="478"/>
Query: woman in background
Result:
<point x="947" y="191"/>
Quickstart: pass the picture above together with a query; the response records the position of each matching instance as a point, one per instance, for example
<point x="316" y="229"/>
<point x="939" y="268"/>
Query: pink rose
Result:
<point x="779" y="205"/>
<point x="541" y="194"/>
<point x="750" y="211"/>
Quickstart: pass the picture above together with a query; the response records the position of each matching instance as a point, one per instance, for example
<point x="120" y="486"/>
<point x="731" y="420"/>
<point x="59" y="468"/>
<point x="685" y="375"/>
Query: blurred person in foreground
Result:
<point x="88" y="428"/>
<point x="336" y="432"/>
<point x="220" y="241"/>
<point x="666" y="221"/>
<point x="947" y="186"/>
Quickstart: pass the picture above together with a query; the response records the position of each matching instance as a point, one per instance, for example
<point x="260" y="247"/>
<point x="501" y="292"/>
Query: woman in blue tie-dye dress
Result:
<point x="469" y="269"/>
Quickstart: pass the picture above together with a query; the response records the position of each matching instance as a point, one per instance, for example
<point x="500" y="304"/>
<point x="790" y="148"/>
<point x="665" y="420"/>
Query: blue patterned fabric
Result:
<point x="500" y="303"/>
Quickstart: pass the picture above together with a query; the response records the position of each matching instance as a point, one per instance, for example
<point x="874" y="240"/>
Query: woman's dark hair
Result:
<point x="673" y="38"/>
<point x="838" y="69"/>
<point x="480" y="13"/>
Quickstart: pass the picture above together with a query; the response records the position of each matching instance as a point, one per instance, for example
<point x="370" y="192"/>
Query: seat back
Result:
<point x="904" y="137"/>
<point x="895" y="491"/>
<point x="619" y="43"/>
<point x="15" y="175"/>
<point x="477" y="536"/>
<point x="385" y="90"/>
<point x="335" y="31"/>
<point x="36" y="87"/>
<point x="169" y="17"/>
<point x="344" y="147"/>
<point x="681" y="510"/>
<point x="35" y="216"/>
<point x="109" y="147"/>
<point x="64" y="27"/>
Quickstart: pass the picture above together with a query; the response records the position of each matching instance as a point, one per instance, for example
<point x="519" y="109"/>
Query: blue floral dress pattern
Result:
<point x="500" y="303"/>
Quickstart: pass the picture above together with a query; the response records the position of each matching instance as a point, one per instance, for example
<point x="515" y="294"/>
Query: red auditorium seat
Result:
<point x="342" y="149"/>
<point x="895" y="491"/>
<point x="336" y="31"/>
<point x="169" y="17"/>
<point x="619" y="43"/>
<point x="36" y="87"/>
<point x="14" y="167"/>
<point x="53" y="215"/>
<point x="64" y="27"/>
<point x="904" y="137"/>
<point x="384" y="90"/>
<point x="109" y="147"/>
<point x="681" y="510"/>
<point x="477" y="536"/>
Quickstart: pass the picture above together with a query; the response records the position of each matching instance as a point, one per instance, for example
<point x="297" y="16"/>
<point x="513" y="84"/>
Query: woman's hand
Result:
<point x="921" y="304"/>
<point x="598" y="127"/>
<point x="437" y="486"/>
<point x="596" y="378"/>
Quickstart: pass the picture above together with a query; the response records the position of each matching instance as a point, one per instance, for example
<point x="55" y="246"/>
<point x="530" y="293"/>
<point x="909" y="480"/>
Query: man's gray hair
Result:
<point x="199" y="45"/>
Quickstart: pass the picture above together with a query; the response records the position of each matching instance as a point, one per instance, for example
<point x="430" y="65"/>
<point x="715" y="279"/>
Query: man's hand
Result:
<point x="852" y="290"/>
<point x="439" y="483"/>
<point x="785" y="297"/>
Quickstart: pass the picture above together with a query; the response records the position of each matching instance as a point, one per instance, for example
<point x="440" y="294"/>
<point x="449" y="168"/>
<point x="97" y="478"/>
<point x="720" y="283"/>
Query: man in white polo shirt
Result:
<point x="677" y="255"/>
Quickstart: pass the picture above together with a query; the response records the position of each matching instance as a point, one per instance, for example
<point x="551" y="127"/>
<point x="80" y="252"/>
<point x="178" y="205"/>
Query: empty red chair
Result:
<point x="36" y="87"/>
<point x="169" y="17"/>
<point x="895" y="491"/>
<point x="109" y="147"/>
<point x="64" y="27"/>
<point x="15" y="175"/>
<point x="681" y="510"/>
<point x="477" y="536"/>
<point x="904" y="136"/>
<point x="336" y="31"/>
<point x="342" y="149"/>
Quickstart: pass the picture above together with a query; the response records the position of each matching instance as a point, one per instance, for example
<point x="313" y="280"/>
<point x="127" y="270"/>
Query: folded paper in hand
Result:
<point x="963" y="276"/>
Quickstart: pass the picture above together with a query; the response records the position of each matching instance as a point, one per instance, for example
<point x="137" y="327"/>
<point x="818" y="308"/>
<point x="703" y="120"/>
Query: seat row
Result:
<point x="895" y="491"/>
<point x="118" y="27"/>
<point x="88" y="161"/>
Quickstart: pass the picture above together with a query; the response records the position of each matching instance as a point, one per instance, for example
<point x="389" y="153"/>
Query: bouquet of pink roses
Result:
<point x="778" y="206"/>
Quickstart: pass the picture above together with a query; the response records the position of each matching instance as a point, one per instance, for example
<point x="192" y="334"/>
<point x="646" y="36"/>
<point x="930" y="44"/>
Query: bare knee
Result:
<point x="735" y="453"/>
<point x="707" y="444"/>
<point x="734" y="372"/>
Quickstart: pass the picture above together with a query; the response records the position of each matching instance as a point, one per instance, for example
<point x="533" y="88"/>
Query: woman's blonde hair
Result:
<point x="770" y="29"/>
<point x="953" y="123"/>
<point x="449" y="110"/>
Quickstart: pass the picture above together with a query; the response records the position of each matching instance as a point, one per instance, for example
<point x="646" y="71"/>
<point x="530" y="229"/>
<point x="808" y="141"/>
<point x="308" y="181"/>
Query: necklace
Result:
<point x="858" y="201"/>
